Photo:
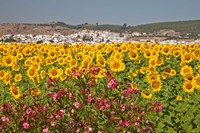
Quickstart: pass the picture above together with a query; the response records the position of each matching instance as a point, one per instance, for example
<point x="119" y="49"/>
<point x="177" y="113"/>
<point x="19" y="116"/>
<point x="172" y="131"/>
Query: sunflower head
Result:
<point x="147" y="53"/>
<point x="146" y="94"/>
<point x="156" y="85"/>
<point x="197" y="82"/>
<point x="31" y="73"/>
<point x="186" y="57"/>
<point x="42" y="74"/>
<point x="179" y="98"/>
<point x="185" y="70"/>
<point x="8" y="60"/>
<point x="7" y="77"/>
<point x="55" y="72"/>
<point x="18" y="77"/>
<point x="117" y="65"/>
<point x="188" y="86"/>
<point x="2" y="73"/>
<point x="34" y="92"/>
<point x="15" y="91"/>
<point x="15" y="67"/>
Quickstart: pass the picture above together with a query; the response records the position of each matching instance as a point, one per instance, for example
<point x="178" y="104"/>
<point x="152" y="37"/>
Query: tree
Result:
<point x="124" y="26"/>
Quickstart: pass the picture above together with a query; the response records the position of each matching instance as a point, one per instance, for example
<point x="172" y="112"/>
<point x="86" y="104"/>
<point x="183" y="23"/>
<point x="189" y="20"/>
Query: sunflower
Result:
<point x="73" y="63"/>
<point x="152" y="62"/>
<point x="118" y="56"/>
<point x="134" y="72"/>
<point x="166" y="50"/>
<point x="87" y="60"/>
<point x="147" y="53"/>
<point x="52" y="53"/>
<point x="35" y="66"/>
<point x="117" y="65"/>
<point x="15" y="67"/>
<point x="15" y="91"/>
<point x="101" y="61"/>
<point x="124" y="47"/>
<point x="188" y="86"/>
<point x="188" y="76"/>
<point x="167" y="70"/>
<point x="31" y="73"/>
<point x="27" y="51"/>
<point x="42" y="74"/>
<point x="177" y="53"/>
<point x="62" y="52"/>
<point x="197" y="81"/>
<point x="35" y="92"/>
<point x="7" y="78"/>
<point x="152" y="77"/>
<point x="159" y="62"/>
<point x="19" y="56"/>
<point x="55" y="72"/>
<point x="108" y="49"/>
<point x="63" y="77"/>
<point x="68" y="71"/>
<point x="172" y="72"/>
<point x="146" y="94"/>
<point x="179" y="98"/>
<point x="79" y="56"/>
<point x="164" y="75"/>
<point x="156" y="85"/>
<point x="8" y="60"/>
<point x="185" y="70"/>
<point x="2" y="73"/>
<point x="143" y="70"/>
<point x="37" y="79"/>
<point x="133" y="54"/>
<point x="196" y="54"/>
<point x="18" y="77"/>
<point x="27" y="62"/>
<point x="61" y="61"/>
<point x="68" y="58"/>
<point x="186" y="57"/>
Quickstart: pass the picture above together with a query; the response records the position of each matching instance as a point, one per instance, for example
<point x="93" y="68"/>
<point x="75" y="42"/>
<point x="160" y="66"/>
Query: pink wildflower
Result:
<point x="112" y="84"/>
<point x="102" y="108"/>
<point x="5" y="119"/>
<point x="75" y="74"/>
<point x="91" y="84"/>
<point x="53" y="124"/>
<point x="25" y="125"/>
<point x="55" y="96"/>
<point x="45" y="130"/>
<point x="89" y="98"/>
<point x="77" y="104"/>
<point x="71" y="96"/>
<point x="62" y="111"/>
<point x="72" y="112"/>
<point x="28" y="111"/>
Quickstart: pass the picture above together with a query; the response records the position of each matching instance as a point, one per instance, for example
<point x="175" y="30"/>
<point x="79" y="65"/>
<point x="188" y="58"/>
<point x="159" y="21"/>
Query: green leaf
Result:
<point x="161" y="125"/>
<point x="171" y="130"/>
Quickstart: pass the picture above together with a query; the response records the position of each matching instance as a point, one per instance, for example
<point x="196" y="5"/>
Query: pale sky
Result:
<point x="131" y="12"/>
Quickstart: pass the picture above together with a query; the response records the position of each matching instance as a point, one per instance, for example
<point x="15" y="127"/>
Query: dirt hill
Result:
<point x="23" y="28"/>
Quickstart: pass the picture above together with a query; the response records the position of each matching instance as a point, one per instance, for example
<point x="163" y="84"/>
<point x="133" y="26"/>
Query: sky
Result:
<point x="130" y="12"/>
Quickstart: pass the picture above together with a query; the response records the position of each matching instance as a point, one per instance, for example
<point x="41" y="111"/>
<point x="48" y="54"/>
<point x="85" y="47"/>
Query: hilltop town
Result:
<point x="59" y="32"/>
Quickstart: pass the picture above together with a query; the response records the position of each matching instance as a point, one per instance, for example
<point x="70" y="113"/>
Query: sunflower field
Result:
<point x="115" y="87"/>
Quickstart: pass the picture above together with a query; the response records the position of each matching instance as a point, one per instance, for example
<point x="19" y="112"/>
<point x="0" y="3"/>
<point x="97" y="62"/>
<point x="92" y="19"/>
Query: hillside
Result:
<point x="35" y="29"/>
<point x="192" y="26"/>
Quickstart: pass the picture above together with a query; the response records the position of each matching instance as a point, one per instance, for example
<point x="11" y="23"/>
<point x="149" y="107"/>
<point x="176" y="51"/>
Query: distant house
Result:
<point x="168" y="32"/>
<point x="136" y="33"/>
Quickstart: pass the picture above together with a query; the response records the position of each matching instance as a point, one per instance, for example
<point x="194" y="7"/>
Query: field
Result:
<point x="116" y="87"/>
